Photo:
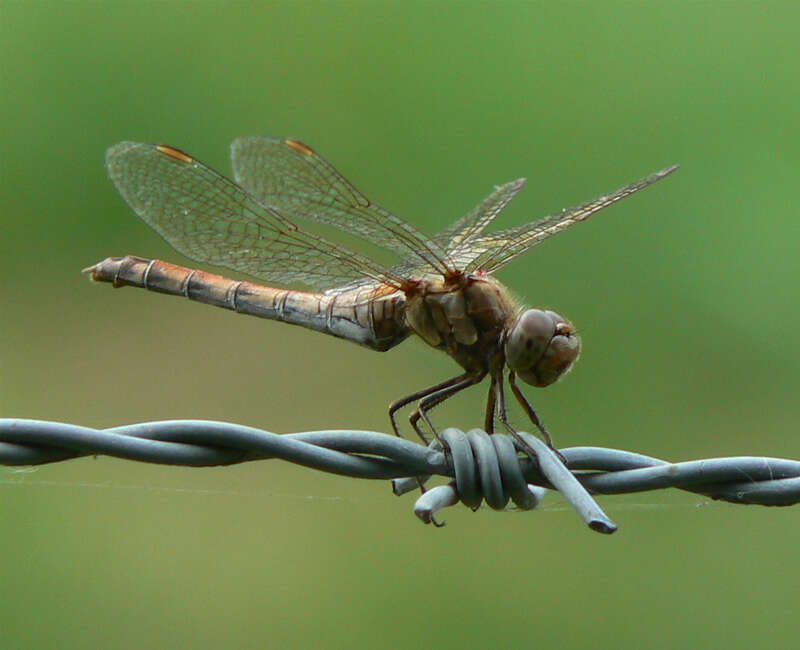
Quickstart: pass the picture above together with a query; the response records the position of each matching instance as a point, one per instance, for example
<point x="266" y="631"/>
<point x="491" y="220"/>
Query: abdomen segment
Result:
<point x="371" y="317"/>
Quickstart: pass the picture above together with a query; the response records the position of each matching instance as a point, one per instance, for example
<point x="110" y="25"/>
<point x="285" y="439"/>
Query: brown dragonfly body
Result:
<point x="372" y="317"/>
<point x="441" y="291"/>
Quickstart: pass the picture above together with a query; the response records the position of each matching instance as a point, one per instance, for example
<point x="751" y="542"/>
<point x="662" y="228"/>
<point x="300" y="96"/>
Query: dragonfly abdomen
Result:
<point x="369" y="317"/>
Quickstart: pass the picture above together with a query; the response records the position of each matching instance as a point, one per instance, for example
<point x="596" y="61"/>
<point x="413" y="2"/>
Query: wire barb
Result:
<point x="479" y="467"/>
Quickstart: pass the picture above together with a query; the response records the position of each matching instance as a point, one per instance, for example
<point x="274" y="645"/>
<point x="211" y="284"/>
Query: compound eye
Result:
<point x="541" y="346"/>
<point x="528" y="339"/>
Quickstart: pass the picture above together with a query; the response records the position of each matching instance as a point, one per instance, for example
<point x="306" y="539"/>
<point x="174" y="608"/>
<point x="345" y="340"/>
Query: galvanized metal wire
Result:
<point x="480" y="467"/>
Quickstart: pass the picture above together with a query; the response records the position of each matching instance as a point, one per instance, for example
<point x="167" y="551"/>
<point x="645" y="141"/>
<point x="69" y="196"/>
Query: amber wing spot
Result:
<point x="175" y="153"/>
<point x="299" y="147"/>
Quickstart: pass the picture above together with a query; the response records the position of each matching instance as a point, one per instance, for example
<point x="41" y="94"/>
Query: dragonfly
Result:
<point x="442" y="289"/>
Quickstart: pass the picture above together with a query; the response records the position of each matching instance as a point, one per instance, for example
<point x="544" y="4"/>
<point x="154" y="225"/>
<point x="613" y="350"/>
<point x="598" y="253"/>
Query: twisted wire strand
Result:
<point x="481" y="467"/>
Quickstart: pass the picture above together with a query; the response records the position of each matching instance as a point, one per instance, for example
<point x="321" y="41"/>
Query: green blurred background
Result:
<point x="686" y="297"/>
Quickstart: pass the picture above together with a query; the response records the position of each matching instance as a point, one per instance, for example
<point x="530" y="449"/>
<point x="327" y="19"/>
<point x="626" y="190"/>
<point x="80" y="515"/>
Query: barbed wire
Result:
<point x="481" y="467"/>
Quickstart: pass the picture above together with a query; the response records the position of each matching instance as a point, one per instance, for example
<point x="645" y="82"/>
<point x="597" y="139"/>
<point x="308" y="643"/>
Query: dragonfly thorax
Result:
<point x="467" y="317"/>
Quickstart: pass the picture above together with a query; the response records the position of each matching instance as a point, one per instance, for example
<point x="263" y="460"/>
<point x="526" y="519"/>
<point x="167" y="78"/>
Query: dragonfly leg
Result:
<point x="495" y="404"/>
<point x="455" y="385"/>
<point x="531" y="414"/>
<point x="502" y="414"/>
<point x="491" y="406"/>
<point x="529" y="409"/>
<point x="420" y="394"/>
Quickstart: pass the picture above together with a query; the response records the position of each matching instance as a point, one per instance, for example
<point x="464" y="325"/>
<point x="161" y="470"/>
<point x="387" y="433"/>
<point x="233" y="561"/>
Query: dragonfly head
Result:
<point x="541" y="346"/>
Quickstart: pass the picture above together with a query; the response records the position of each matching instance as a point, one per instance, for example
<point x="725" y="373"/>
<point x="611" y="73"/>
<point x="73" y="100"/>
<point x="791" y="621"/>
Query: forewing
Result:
<point x="491" y="251"/>
<point x="295" y="179"/>
<point x="458" y="236"/>
<point x="209" y="218"/>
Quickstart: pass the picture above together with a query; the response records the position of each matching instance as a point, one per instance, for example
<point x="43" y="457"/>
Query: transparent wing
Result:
<point x="292" y="177"/>
<point x="457" y="237"/>
<point x="491" y="251"/>
<point x="209" y="218"/>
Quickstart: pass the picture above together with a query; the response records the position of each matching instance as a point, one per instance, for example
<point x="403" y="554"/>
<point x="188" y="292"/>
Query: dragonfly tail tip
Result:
<point x="92" y="272"/>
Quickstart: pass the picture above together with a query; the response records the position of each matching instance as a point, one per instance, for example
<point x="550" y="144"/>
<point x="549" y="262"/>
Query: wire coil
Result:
<point x="481" y="467"/>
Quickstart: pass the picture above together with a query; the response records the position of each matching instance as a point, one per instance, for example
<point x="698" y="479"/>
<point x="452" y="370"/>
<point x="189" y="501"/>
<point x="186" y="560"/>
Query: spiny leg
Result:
<point x="420" y="394"/>
<point x="529" y="409"/>
<point x="434" y="399"/>
<point x="491" y="406"/>
<point x="532" y="415"/>
<point x="502" y="413"/>
<point x="496" y="400"/>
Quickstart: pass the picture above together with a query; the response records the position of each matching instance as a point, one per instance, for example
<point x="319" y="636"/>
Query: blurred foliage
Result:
<point x="686" y="297"/>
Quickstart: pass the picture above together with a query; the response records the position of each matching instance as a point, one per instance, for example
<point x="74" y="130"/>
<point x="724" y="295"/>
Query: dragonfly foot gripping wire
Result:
<point x="488" y="468"/>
